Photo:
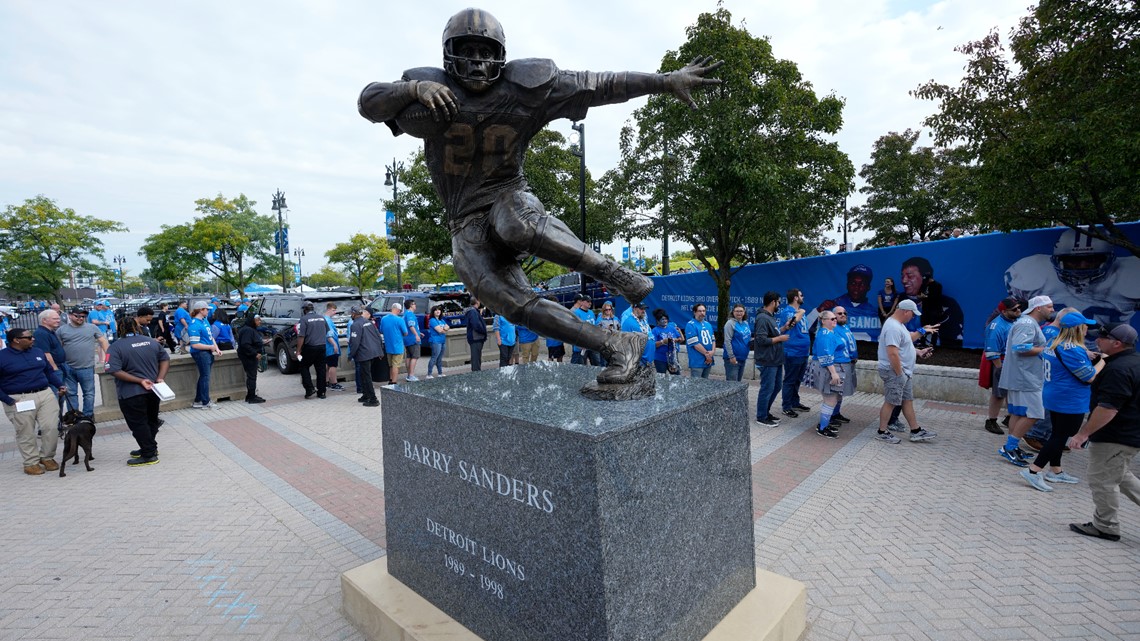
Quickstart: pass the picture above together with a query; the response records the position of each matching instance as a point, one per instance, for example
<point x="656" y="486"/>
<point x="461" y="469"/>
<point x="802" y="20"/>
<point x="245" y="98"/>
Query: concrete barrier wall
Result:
<point x="227" y="381"/>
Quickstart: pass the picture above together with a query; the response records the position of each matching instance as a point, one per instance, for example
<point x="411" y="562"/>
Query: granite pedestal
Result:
<point x="528" y="513"/>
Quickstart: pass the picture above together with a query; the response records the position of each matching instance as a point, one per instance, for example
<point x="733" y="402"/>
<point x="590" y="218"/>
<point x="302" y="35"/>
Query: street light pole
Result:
<point x="299" y="253"/>
<point x="120" y="261"/>
<point x="580" y="127"/>
<point x="665" y="214"/>
<point x="392" y="179"/>
<point x="279" y="206"/>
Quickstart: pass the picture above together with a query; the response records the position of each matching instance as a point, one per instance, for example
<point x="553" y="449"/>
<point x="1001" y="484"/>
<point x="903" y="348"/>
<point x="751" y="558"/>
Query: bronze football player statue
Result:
<point x="476" y="117"/>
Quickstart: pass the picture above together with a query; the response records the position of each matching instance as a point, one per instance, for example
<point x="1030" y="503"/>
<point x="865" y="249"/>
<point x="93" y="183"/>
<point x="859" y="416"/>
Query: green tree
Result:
<point x="911" y="191"/>
<point x="363" y="258"/>
<point x="43" y="244"/>
<point x="754" y="163"/>
<point x="228" y="242"/>
<point x="1054" y="134"/>
<point x="329" y="276"/>
<point x="422" y="270"/>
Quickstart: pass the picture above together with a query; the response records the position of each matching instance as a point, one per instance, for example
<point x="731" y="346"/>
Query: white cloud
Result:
<point x="133" y="110"/>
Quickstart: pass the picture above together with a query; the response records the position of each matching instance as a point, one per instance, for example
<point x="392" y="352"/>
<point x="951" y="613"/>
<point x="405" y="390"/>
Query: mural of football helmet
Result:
<point x="1081" y="260"/>
<point x="475" y="74"/>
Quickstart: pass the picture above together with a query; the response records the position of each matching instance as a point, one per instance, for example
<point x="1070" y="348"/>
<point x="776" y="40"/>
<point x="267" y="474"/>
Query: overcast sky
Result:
<point x="131" y="110"/>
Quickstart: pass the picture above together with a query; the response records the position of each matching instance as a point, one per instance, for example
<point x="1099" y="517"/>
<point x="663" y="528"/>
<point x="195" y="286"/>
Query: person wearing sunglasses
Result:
<point x="29" y="387"/>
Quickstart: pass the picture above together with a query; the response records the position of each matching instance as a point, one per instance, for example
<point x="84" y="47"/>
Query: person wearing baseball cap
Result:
<point x="1023" y="376"/>
<point x="897" y="356"/>
<point x="1113" y="427"/>
<point x="250" y="351"/>
<point x="103" y="318"/>
<point x="1065" y="396"/>
<point x="996" y="335"/>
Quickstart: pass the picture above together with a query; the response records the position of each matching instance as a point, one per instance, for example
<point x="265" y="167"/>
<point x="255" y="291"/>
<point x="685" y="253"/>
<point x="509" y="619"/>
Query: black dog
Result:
<point x="79" y="432"/>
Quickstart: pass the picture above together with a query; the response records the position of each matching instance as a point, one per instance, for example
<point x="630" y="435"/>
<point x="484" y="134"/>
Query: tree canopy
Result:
<point x="230" y="242"/>
<point x="43" y="244"/>
<point x="363" y="259"/>
<point x="753" y="166"/>
<point x="913" y="192"/>
<point x="1054" y="133"/>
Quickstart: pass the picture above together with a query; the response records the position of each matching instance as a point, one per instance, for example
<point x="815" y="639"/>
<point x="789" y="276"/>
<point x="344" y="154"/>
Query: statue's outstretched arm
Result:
<point x="622" y="86"/>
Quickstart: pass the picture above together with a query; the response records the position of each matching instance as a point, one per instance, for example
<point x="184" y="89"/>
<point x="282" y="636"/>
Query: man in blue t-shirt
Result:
<point x="582" y="304"/>
<point x="528" y="346"/>
<point x="637" y="322"/>
<point x="845" y="357"/>
<point x="182" y="327"/>
<point x="791" y="322"/>
<point x="394" y="330"/>
<point x="506" y="336"/>
<point x="701" y="342"/>
<point x="996" y="334"/>
<point x="412" y="340"/>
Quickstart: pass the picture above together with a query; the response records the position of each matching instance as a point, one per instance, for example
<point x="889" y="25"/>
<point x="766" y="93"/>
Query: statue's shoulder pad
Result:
<point x="530" y="72"/>
<point x="434" y="74"/>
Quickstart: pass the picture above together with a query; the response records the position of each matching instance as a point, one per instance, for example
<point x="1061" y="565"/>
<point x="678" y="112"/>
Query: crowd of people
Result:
<point x="1062" y="389"/>
<point x="50" y="370"/>
<point x="1045" y="367"/>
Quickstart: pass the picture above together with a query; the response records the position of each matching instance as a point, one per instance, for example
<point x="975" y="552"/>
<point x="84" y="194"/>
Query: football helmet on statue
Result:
<point x="475" y="73"/>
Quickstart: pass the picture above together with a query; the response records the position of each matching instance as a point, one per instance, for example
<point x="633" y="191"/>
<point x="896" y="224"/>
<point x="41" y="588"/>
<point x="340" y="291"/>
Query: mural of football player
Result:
<point x="915" y="277"/>
<point x="862" y="314"/>
<point x="1082" y="272"/>
<point x="476" y="117"/>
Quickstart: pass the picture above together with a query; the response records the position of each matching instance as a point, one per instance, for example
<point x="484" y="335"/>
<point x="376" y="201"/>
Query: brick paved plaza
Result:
<point x="243" y="529"/>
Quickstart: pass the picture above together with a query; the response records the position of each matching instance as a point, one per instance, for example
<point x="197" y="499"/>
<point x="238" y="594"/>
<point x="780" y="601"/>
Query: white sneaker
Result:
<point x="411" y="379"/>
<point x="440" y="375"/>
<point x="429" y="377"/>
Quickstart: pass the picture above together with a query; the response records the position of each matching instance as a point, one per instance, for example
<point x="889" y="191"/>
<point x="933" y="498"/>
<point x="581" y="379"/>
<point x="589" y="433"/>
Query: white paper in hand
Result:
<point x="163" y="391"/>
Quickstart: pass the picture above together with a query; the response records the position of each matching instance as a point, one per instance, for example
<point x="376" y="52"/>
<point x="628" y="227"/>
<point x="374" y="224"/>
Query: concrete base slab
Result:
<point x="383" y="609"/>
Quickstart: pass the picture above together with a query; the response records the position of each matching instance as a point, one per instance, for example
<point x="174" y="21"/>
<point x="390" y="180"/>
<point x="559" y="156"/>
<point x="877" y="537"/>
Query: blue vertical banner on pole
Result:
<point x="389" y="225"/>
<point x="277" y="241"/>
<point x="976" y="272"/>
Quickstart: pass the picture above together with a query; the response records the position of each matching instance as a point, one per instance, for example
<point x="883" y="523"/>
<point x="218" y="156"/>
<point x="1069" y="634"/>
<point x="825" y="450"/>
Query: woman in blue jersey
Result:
<point x="825" y="373"/>
<point x="1069" y="373"/>
<point x="437" y="339"/>
<point x="737" y="334"/>
<point x="666" y="335"/>
<point x="222" y="331"/>
<point x="203" y="350"/>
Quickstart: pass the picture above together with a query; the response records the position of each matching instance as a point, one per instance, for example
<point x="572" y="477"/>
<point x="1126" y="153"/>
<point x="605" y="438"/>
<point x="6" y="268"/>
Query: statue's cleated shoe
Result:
<point x="623" y="353"/>
<point x="630" y="284"/>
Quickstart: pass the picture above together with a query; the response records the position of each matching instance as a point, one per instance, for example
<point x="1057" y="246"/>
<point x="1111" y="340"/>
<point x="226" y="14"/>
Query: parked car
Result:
<point x="565" y="287"/>
<point x="280" y="314"/>
<point x="453" y="305"/>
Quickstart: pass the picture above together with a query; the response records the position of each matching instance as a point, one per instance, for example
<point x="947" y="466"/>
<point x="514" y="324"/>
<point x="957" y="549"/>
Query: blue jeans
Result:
<point x="771" y="379"/>
<point x="204" y="360"/>
<point x="436" y="358"/>
<point x="76" y="377"/>
<point x="662" y="367"/>
<point x="733" y="371"/>
<point x="699" y="372"/>
<point x="794" y="367"/>
<point x="1042" y="429"/>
